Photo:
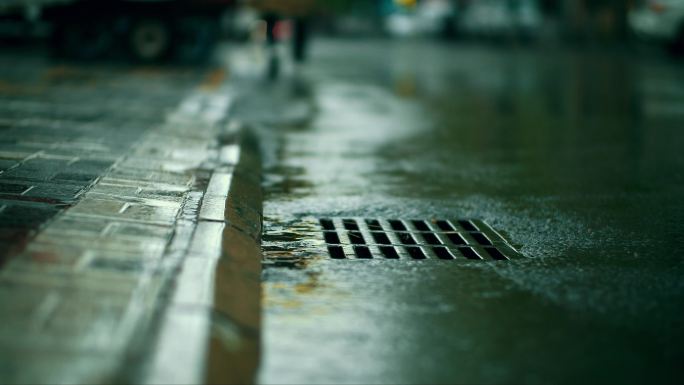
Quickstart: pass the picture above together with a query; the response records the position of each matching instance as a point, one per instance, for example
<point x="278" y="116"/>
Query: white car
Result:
<point x="661" y="20"/>
<point x="428" y="17"/>
<point x="497" y="18"/>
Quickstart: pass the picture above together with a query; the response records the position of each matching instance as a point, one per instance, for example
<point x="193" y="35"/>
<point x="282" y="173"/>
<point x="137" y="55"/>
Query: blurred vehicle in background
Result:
<point x="20" y="20"/>
<point x="274" y="11"/>
<point x="150" y="30"/>
<point x="660" y="20"/>
<point x="426" y="18"/>
<point x="502" y="19"/>
<point x="240" y="23"/>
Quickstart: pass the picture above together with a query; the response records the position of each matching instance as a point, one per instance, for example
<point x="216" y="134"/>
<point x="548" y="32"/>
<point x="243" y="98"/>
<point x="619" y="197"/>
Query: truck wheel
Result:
<point x="149" y="39"/>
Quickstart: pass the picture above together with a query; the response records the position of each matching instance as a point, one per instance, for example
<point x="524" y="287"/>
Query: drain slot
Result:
<point x="464" y="239"/>
<point x="350" y="224"/>
<point x="356" y="238"/>
<point x="362" y="252"/>
<point x="431" y="239"/>
<point x="469" y="253"/>
<point x="420" y="225"/>
<point x="442" y="253"/>
<point x="416" y="253"/>
<point x="406" y="238"/>
<point x="336" y="252"/>
<point x="331" y="238"/>
<point x="496" y="254"/>
<point x="374" y="225"/>
<point x="467" y="225"/>
<point x="481" y="239"/>
<point x="456" y="239"/>
<point x="446" y="226"/>
<point x="397" y="225"/>
<point x="327" y="224"/>
<point x="381" y="238"/>
<point x="389" y="252"/>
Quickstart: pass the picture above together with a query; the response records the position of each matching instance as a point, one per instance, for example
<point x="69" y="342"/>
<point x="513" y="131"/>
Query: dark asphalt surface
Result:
<point x="575" y="156"/>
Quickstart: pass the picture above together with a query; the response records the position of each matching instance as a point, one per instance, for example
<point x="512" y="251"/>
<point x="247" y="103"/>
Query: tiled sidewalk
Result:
<point x="61" y="128"/>
<point x="96" y="224"/>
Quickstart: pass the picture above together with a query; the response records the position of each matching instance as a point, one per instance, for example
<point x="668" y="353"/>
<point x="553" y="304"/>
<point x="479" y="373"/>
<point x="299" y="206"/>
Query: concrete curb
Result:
<point x="238" y="290"/>
<point x="209" y="332"/>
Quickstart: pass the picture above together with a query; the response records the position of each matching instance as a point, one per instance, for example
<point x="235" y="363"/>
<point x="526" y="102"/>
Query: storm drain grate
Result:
<point x="361" y="238"/>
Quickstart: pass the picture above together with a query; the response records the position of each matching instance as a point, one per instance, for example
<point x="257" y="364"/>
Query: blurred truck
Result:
<point x="427" y="17"/>
<point x="660" y="20"/>
<point x="502" y="19"/>
<point x="150" y="30"/>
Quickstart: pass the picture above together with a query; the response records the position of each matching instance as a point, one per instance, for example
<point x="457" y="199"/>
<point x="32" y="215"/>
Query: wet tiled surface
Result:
<point x="102" y="177"/>
<point x="62" y="127"/>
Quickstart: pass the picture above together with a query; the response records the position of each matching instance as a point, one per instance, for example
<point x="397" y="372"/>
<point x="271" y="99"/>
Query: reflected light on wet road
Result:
<point x="575" y="156"/>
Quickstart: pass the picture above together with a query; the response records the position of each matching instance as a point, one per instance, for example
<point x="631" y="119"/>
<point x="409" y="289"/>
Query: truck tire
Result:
<point x="149" y="39"/>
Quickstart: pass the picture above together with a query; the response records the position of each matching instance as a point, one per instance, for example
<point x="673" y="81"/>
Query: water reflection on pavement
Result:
<point x="575" y="156"/>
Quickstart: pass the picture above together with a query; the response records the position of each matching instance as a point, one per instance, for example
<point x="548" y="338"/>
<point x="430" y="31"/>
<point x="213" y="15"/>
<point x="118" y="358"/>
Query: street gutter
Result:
<point x="210" y="331"/>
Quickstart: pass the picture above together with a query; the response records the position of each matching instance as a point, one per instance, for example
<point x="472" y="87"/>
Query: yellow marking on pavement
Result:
<point x="310" y="285"/>
<point x="60" y="72"/>
<point x="214" y="79"/>
<point x="8" y="88"/>
<point x="149" y="71"/>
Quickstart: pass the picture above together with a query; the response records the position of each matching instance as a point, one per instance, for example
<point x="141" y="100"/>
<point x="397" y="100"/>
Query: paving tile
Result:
<point x="72" y="226"/>
<point x="20" y="215"/>
<point x="6" y="164"/>
<point x="137" y="247"/>
<point x="59" y="367"/>
<point x="93" y="206"/>
<point x="150" y="176"/>
<point x="213" y="208"/>
<point x="95" y="285"/>
<point x="54" y="319"/>
<point x="99" y="204"/>
<point x="9" y="152"/>
<point x="230" y="154"/>
<point x="13" y="188"/>
<point x="178" y="166"/>
<point x="162" y="188"/>
<point x="219" y="184"/>
<point x="66" y="192"/>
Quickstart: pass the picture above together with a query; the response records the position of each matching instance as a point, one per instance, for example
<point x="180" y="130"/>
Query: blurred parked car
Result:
<point x="428" y="17"/>
<point x="502" y="19"/>
<point x="660" y="20"/>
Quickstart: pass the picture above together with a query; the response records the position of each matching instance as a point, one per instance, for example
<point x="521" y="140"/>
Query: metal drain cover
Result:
<point x="362" y="238"/>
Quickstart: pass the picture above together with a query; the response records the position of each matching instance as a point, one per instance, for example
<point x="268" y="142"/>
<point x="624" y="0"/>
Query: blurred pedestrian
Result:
<point x="300" y="11"/>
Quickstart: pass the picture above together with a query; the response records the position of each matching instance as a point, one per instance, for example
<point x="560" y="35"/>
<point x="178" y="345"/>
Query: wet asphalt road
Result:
<point x="575" y="156"/>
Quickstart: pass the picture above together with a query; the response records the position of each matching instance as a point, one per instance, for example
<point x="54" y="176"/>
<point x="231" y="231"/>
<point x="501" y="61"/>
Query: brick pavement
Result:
<point x="63" y="127"/>
<point x="113" y="182"/>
